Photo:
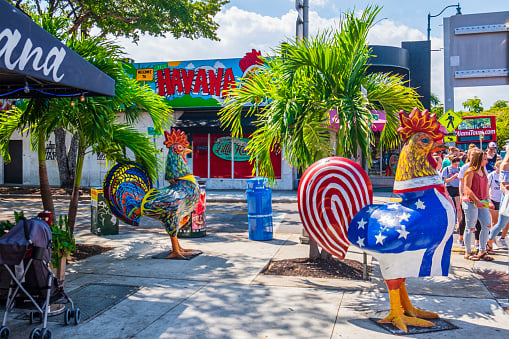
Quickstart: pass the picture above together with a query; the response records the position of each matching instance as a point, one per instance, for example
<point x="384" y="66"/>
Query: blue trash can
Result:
<point x="259" y="209"/>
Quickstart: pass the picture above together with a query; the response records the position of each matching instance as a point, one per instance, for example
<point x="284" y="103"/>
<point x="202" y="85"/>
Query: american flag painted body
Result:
<point x="330" y="193"/>
<point x="411" y="238"/>
<point x="420" y="226"/>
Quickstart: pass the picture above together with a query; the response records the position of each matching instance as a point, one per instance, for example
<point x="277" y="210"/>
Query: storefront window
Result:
<point x="225" y="157"/>
<point x="384" y="162"/>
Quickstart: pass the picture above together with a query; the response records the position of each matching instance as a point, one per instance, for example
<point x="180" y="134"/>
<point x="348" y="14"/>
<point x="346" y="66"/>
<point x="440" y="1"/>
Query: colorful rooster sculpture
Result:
<point x="412" y="238"/>
<point x="129" y="193"/>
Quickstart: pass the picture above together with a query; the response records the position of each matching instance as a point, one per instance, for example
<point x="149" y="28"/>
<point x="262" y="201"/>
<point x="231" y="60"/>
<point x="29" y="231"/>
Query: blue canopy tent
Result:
<point x="33" y="63"/>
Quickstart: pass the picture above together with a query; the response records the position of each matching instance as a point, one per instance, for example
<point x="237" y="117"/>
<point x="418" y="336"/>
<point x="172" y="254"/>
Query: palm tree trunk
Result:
<point x="73" y="205"/>
<point x="46" y="197"/>
<point x="66" y="160"/>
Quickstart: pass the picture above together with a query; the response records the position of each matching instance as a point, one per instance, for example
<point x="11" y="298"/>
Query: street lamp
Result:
<point x="458" y="12"/>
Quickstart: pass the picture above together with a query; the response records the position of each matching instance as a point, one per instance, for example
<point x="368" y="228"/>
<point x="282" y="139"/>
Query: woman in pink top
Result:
<point x="476" y="205"/>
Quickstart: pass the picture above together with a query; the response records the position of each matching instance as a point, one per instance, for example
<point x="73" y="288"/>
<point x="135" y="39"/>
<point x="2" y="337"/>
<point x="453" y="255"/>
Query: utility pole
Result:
<point x="301" y="30"/>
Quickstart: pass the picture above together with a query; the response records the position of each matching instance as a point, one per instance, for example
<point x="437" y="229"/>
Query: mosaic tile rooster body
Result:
<point x="128" y="190"/>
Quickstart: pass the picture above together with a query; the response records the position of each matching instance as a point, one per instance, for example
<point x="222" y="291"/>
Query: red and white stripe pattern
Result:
<point x="331" y="192"/>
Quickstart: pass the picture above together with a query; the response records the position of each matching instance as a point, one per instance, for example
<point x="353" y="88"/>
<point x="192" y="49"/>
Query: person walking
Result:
<point x="461" y="228"/>
<point x="475" y="202"/>
<point x="450" y="176"/>
<point x="492" y="157"/>
<point x="503" y="218"/>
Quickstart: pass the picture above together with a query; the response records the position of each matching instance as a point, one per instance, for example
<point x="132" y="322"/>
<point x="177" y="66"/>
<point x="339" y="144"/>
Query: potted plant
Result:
<point x="63" y="244"/>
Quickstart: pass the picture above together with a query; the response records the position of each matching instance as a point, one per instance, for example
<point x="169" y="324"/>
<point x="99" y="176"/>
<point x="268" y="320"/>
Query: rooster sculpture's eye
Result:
<point x="178" y="149"/>
<point x="424" y="140"/>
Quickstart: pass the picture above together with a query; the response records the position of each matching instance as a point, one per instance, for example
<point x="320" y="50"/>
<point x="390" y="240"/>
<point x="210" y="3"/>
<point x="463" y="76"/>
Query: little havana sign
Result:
<point x="49" y="62"/>
<point x="222" y="148"/>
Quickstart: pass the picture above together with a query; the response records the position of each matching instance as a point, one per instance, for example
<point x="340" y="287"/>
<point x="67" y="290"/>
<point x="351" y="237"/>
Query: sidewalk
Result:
<point x="124" y="293"/>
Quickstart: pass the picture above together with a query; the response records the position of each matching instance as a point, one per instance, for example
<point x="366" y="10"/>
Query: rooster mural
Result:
<point x="129" y="193"/>
<point x="412" y="238"/>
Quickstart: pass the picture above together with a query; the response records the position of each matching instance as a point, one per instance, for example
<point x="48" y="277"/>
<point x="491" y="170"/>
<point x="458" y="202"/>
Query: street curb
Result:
<point x="87" y="197"/>
<point x="35" y="196"/>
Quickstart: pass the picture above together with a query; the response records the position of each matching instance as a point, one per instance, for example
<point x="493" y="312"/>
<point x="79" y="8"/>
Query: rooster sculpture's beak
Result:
<point x="186" y="151"/>
<point x="437" y="146"/>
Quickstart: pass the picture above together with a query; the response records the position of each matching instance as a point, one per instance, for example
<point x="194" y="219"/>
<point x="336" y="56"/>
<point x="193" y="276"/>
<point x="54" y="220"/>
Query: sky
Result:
<point x="263" y="24"/>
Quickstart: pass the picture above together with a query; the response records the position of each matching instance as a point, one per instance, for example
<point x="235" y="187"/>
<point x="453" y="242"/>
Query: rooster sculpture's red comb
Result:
<point x="176" y="136"/>
<point x="419" y="121"/>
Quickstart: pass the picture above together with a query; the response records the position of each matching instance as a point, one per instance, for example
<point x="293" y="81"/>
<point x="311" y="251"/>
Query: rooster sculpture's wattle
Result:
<point x="129" y="193"/>
<point x="411" y="238"/>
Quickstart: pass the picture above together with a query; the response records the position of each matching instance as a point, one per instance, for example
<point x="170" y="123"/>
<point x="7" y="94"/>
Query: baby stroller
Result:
<point x="25" y="252"/>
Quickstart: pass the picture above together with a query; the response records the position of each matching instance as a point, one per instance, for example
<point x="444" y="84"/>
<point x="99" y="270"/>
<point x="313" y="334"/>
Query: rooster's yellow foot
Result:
<point x="187" y="251"/>
<point x="409" y="309"/>
<point x="418" y="313"/>
<point x="176" y="255"/>
<point x="401" y="321"/>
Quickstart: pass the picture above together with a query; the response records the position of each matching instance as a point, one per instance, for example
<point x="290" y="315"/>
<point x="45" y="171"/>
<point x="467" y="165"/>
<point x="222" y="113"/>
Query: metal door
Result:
<point x="13" y="171"/>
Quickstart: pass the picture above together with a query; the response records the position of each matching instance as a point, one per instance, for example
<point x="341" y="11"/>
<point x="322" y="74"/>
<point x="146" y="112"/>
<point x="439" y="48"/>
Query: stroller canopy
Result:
<point x="15" y="243"/>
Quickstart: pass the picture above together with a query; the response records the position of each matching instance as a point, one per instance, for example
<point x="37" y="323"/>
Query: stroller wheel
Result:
<point x="46" y="334"/>
<point x="4" y="332"/>
<point x="77" y="316"/>
<point x="68" y="316"/>
<point x="35" y="334"/>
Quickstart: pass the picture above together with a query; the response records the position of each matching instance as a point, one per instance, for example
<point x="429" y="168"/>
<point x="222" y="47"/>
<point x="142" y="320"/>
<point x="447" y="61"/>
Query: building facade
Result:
<point x="196" y="90"/>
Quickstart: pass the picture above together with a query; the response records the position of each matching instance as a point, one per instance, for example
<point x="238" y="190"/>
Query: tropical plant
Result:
<point x="62" y="240"/>
<point x="5" y="226"/>
<point x="436" y="106"/>
<point x="293" y="94"/>
<point x="473" y="105"/>
<point x="93" y="120"/>
<point x="499" y="104"/>
<point x="182" y="18"/>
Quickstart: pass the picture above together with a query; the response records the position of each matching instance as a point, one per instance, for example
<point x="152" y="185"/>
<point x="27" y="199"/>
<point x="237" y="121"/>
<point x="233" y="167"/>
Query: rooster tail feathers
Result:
<point x="124" y="187"/>
<point x="331" y="192"/>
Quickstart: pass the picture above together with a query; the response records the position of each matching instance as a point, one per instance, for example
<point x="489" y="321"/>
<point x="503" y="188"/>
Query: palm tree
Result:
<point x="292" y="95"/>
<point x="93" y="120"/>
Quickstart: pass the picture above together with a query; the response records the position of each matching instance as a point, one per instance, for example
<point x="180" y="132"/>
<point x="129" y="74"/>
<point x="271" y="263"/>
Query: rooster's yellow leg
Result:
<point x="185" y="251"/>
<point x="397" y="314"/>
<point x="176" y="251"/>
<point x="410" y="309"/>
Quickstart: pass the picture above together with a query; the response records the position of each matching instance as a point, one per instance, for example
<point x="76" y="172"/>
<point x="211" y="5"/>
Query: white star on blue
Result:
<point x="418" y="222"/>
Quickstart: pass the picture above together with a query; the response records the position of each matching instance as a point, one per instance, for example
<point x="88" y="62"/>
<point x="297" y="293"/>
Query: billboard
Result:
<point x="476" y="49"/>
<point x="194" y="83"/>
<point x="472" y="129"/>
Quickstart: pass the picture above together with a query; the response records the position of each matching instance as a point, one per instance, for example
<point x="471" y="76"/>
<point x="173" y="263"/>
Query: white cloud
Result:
<point x="219" y="64"/>
<point x="240" y="31"/>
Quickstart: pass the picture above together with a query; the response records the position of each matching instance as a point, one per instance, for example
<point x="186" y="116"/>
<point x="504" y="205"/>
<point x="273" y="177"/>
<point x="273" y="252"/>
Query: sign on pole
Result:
<point x="450" y="138"/>
<point x="152" y="131"/>
<point x="450" y="120"/>
<point x="145" y="74"/>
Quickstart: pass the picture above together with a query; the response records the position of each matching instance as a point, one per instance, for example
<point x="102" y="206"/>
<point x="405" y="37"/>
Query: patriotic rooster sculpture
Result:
<point x="129" y="193"/>
<point x="412" y="238"/>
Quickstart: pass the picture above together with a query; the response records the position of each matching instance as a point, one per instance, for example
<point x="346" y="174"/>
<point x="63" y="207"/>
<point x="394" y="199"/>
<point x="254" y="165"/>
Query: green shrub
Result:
<point x="63" y="241"/>
<point x="5" y="226"/>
